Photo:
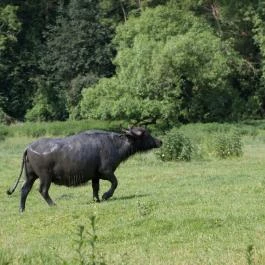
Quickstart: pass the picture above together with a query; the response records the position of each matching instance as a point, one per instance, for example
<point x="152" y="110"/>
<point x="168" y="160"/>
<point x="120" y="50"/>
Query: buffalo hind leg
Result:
<point x="25" y="190"/>
<point x="95" y="186"/>
<point x="114" y="183"/>
<point x="45" y="183"/>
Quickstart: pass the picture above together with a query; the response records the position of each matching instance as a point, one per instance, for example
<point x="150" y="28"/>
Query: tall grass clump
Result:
<point x="250" y="255"/>
<point x="5" y="259"/>
<point x="175" y="147"/>
<point x="60" y="128"/>
<point x="228" y="145"/>
<point x="3" y="133"/>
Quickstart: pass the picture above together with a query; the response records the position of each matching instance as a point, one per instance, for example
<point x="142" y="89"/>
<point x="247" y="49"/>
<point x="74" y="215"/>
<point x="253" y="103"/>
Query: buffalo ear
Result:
<point x="127" y="132"/>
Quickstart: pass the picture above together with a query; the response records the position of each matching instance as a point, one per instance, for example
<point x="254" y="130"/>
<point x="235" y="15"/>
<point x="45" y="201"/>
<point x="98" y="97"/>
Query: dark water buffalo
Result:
<point x="74" y="160"/>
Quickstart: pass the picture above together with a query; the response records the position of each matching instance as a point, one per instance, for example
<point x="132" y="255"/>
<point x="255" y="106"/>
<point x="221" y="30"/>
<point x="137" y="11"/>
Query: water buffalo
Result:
<point x="74" y="160"/>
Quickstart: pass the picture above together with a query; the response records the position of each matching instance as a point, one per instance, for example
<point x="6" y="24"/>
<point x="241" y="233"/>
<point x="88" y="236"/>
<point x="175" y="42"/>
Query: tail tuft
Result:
<point x="9" y="192"/>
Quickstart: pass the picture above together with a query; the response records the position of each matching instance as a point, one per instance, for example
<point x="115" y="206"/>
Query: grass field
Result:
<point x="207" y="211"/>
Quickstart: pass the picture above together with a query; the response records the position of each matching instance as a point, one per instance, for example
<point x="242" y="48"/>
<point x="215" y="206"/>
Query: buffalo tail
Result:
<point x="10" y="191"/>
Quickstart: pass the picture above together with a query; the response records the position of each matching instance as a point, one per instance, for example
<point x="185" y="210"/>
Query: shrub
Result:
<point x="36" y="132"/>
<point x="176" y="146"/>
<point x="228" y="145"/>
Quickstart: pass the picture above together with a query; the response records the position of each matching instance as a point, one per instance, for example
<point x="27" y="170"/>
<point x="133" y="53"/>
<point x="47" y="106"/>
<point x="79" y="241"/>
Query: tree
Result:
<point x="175" y="60"/>
<point x="239" y="23"/>
<point x="171" y="66"/>
<point x="22" y="54"/>
<point x="9" y="26"/>
<point x="117" y="11"/>
<point x="78" y="53"/>
<point x="9" y="29"/>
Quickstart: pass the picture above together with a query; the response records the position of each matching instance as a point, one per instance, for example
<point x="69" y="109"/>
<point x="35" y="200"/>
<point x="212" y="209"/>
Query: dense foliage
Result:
<point x="143" y="61"/>
<point x="176" y="146"/>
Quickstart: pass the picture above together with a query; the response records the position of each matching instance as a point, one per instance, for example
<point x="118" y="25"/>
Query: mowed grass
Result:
<point x="206" y="211"/>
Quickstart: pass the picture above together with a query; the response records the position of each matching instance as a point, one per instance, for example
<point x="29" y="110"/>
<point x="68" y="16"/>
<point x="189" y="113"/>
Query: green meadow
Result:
<point x="205" y="211"/>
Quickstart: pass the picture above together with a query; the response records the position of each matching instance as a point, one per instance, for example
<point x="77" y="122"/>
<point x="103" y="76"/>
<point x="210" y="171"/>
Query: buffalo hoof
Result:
<point x="97" y="200"/>
<point x="105" y="196"/>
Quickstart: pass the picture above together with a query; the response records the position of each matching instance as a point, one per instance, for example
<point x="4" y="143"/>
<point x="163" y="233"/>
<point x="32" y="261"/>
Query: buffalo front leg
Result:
<point x="95" y="187"/>
<point x="114" y="183"/>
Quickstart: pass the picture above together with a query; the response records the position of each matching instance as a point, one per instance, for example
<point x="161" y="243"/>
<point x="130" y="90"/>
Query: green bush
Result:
<point x="176" y="146"/>
<point x="228" y="145"/>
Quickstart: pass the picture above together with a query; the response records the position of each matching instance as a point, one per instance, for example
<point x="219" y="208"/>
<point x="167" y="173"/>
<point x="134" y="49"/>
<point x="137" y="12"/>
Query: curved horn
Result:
<point x="137" y="131"/>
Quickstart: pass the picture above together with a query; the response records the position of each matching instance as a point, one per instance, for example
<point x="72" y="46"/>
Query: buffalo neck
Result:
<point x="126" y="148"/>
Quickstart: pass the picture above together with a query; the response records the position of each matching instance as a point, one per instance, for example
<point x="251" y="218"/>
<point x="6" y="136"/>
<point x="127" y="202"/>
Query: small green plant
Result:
<point x="84" y="257"/>
<point x="228" y="145"/>
<point x="176" y="146"/>
<point x="84" y="247"/>
<point x="144" y="209"/>
<point x="250" y="254"/>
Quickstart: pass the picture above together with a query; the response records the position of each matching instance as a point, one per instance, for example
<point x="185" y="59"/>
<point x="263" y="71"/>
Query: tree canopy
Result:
<point x="138" y="60"/>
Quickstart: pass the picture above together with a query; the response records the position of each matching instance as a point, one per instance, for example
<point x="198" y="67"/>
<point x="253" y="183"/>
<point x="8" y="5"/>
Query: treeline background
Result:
<point x="138" y="60"/>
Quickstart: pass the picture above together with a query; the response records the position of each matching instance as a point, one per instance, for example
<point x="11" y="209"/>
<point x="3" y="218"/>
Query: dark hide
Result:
<point x="74" y="160"/>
